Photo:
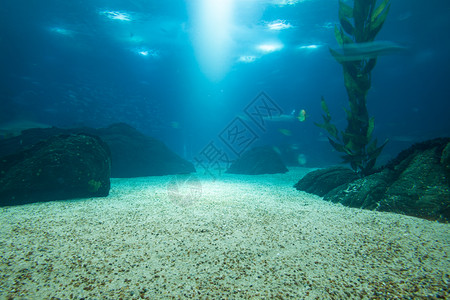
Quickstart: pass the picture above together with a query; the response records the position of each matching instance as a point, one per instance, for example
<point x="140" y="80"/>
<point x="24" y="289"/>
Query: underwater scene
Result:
<point x="224" y="149"/>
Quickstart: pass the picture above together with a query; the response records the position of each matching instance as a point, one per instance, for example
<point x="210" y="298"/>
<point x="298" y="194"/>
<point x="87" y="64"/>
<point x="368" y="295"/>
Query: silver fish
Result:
<point x="360" y="51"/>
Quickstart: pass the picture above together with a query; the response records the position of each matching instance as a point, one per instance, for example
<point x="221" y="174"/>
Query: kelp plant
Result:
<point x="358" y="26"/>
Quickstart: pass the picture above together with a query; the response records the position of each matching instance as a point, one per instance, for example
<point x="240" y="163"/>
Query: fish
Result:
<point x="277" y="150"/>
<point x="175" y="124"/>
<point x="301" y="117"/>
<point x="301" y="159"/>
<point x="360" y="51"/>
<point x="285" y="132"/>
<point x="280" y="118"/>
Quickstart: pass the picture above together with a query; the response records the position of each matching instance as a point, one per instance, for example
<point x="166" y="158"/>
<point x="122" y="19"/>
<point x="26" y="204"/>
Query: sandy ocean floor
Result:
<point x="239" y="237"/>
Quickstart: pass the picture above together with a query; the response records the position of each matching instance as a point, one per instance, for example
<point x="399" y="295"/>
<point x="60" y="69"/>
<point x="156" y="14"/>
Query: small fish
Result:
<point x="302" y="115"/>
<point x="295" y="147"/>
<point x="276" y="149"/>
<point x="285" y="132"/>
<point x="301" y="159"/>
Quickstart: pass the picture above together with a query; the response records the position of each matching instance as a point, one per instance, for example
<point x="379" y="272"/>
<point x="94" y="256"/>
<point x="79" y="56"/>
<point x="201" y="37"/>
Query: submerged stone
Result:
<point x="320" y="182"/>
<point x="62" y="167"/>
<point x="415" y="183"/>
<point x="133" y="154"/>
<point x="259" y="160"/>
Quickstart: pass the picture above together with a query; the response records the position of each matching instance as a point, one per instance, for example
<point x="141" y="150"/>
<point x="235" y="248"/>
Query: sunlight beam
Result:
<point x="211" y="34"/>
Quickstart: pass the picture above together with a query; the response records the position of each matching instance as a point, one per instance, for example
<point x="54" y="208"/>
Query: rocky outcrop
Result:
<point x="322" y="181"/>
<point x="133" y="153"/>
<point x="62" y="167"/>
<point x="416" y="183"/>
<point x="259" y="160"/>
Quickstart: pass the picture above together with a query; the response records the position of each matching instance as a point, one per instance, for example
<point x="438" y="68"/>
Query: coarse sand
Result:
<point x="237" y="237"/>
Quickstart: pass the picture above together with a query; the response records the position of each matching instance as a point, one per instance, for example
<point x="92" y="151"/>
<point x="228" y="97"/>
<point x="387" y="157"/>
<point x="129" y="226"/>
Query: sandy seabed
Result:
<point x="237" y="237"/>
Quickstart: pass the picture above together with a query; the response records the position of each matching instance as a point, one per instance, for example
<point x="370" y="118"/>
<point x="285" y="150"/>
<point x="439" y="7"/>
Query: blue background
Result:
<point x="71" y="63"/>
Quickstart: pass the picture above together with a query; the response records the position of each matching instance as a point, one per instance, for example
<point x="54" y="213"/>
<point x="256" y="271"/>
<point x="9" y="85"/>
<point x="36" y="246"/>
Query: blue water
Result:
<point x="182" y="71"/>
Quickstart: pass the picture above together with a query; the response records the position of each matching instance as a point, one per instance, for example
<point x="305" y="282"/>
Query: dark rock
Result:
<point x="363" y="192"/>
<point x="62" y="167"/>
<point x="259" y="160"/>
<point x="416" y="183"/>
<point x="133" y="153"/>
<point x="445" y="157"/>
<point x="439" y="144"/>
<point x="29" y="137"/>
<point x="420" y="188"/>
<point x="322" y="181"/>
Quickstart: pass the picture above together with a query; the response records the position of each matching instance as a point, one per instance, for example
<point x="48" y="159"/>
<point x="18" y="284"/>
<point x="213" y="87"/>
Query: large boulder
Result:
<point x="416" y="183"/>
<point x="320" y="182"/>
<point x="361" y="193"/>
<point x="259" y="160"/>
<point x="62" y="167"/>
<point x="133" y="153"/>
